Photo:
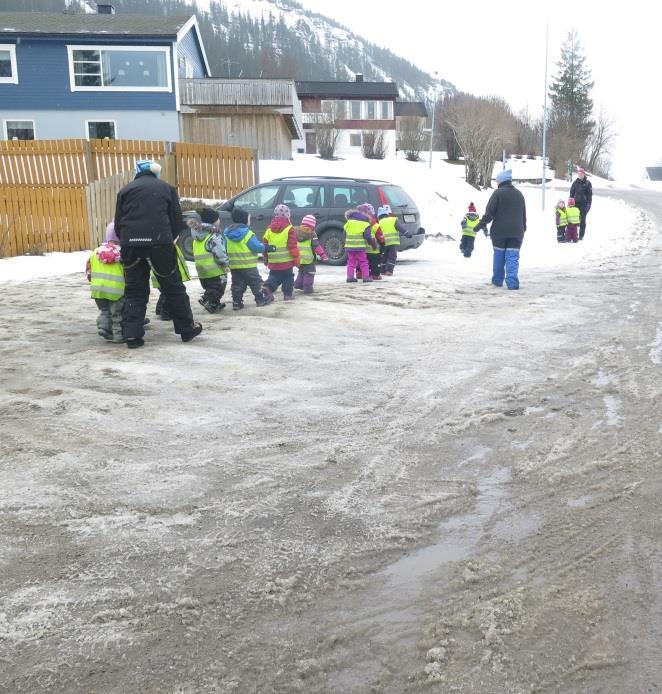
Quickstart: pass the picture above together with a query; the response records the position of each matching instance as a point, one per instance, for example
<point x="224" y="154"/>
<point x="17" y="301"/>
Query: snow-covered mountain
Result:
<point x="279" y="38"/>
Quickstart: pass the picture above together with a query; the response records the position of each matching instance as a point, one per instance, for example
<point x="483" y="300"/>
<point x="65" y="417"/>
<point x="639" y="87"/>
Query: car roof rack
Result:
<point x="330" y="178"/>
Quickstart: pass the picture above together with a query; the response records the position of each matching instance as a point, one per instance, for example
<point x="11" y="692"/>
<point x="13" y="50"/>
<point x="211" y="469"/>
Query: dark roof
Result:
<point x="654" y="173"/>
<point x="106" y="24"/>
<point x="411" y="108"/>
<point x="384" y="90"/>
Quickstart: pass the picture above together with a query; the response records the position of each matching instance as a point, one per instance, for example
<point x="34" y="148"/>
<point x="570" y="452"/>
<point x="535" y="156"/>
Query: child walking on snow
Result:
<point x="309" y="247"/>
<point x="285" y="256"/>
<point x="561" y="221"/>
<point x="358" y="238"/>
<point x="391" y="228"/>
<point x="105" y="273"/>
<point x="242" y="248"/>
<point x="574" y="218"/>
<point x="373" y="253"/>
<point x="469" y="223"/>
<point x="211" y="260"/>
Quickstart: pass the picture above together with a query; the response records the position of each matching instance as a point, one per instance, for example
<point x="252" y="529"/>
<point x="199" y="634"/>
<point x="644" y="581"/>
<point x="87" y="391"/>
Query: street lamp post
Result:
<point x="544" y="123"/>
<point x="434" y="104"/>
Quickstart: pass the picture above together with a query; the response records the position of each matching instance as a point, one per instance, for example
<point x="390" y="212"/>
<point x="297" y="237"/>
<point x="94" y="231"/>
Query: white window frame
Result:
<point x="360" y="103"/>
<point x="360" y="134"/>
<point x="19" y="120"/>
<point x="99" y="120"/>
<point x="389" y="110"/>
<point x="142" y="49"/>
<point x="11" y="47"/>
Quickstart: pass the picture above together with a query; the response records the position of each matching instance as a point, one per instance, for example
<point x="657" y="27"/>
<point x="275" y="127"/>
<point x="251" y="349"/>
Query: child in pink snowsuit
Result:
<point x="358" y="238"/>
<point x="573" y="215"/>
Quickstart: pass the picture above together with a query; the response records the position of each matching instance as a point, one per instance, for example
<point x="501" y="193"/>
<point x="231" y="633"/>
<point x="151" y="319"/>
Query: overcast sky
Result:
<point x="498" y="47"/>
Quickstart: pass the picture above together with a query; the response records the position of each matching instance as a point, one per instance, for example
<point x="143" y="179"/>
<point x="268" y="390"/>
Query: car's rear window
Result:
<point x="397" y="197"/>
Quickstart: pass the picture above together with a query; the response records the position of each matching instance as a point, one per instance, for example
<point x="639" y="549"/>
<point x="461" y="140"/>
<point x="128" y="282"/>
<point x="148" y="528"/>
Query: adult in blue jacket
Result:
<point x="506" y="211"/>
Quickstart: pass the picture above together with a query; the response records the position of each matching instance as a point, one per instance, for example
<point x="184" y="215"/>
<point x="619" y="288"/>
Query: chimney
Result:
<point x="358" y="77"/>
<point x="105" y="9"/>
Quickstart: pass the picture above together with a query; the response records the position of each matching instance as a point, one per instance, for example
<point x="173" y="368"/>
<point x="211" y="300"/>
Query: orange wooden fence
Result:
<point x="212" y="171"/>
<point x="58" y="195"/>
<point x="39" y="219"/>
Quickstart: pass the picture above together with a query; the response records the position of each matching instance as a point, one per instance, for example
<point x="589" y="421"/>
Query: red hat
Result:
<point x="472" y="207"/>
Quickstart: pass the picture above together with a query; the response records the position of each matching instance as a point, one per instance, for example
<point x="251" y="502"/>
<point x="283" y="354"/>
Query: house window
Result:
<point x="356" y="110"/>
<point x="386" y="110"/>
<point x="19" y="129"/>
<point x="119" y="68"/>
<point x="8" y="72"/>
<point x="355" y="139"/>
<point x="101" y="130"/>
<point x="335" y="108"/>
<point x="371" y="110"/>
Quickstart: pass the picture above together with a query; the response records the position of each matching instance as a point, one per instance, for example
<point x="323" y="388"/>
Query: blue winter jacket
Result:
<point x="236" y="232"/>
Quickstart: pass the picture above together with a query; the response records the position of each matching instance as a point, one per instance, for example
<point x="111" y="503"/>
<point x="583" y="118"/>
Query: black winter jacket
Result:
<point x="506" y="210"/>
<point x="582" y="192"/>
<point x="147" y="212"/>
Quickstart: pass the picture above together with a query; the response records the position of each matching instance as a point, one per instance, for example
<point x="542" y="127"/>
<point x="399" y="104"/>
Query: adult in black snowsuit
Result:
<point x="582" y="191"/>
<point x="148" y="218"/>
<point x="506" y="210"/>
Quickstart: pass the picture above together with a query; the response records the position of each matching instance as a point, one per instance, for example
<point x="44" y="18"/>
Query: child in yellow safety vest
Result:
<point x="574" y="218"/>
<point x="358" y="239"/>
<point x="561" y="218"/>
<point x="211" y="260"/>
<point x="283" y="238"/>
<point x="469" y="223"/>
<point x="392" y="229"/>
<point x="309" y="248"/>
<point x="105" y="273"/>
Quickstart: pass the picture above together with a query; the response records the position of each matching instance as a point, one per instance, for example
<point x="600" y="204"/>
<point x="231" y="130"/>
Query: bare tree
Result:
<point x="373" y="144"/>
<point x="411" y="136"/>
<point x="327" y="132"/>
<point x="528" y="134"/>
<point x="600" y="143"/>
<point x="482" y="127"/>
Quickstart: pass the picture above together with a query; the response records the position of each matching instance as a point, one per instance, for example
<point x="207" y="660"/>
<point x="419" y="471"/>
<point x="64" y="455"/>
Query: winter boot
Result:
<point x="288" y="297"/>
<point x="352" y="279"/>
<point x="134" y="342"/>
<point x="367" y="279"/>
<point x="498" y="266"/>
<point x="512" y="267"/>
<point x="268" y="296"/>
<point x="190" y="334"/>
<point x="207" y="304"/>
<point x="237" y="304"/>
<point x="307" y="283"/>
<point x="299" y="281"/>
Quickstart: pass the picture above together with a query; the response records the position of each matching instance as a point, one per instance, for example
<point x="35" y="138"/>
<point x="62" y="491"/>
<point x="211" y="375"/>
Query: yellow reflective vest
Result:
<point x="241" y="257"/>
<point x="573" y="214"/>
<point x="563" y="216"/>
<point x="181" y="264"/>
<point x="282" y="253"/>
<point x="107" y="279"/>
<point x="469" y="224"/>
<point x="391" y="234"/>
<point x="373" y="233"/>
<point x="354" y="240"/>
<point x="205" y="264"/>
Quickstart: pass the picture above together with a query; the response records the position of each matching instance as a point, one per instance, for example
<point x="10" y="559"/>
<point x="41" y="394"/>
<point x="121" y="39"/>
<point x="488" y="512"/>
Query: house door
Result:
<point x="311" y="144"/>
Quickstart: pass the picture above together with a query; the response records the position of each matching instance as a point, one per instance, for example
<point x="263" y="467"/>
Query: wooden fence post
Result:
<point x="256" y="168"/>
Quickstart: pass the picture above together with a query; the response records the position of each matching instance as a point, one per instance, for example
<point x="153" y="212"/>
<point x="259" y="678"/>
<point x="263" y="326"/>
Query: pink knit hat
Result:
<point x="111" y="235"/>
<point x="282" y="211"/>
<point x="309" y="221"/>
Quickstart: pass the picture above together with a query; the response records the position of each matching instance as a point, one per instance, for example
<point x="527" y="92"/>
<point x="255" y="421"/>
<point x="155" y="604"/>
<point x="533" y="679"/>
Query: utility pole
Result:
<point x="544" y="122"/>
<point x="434" y="104"/>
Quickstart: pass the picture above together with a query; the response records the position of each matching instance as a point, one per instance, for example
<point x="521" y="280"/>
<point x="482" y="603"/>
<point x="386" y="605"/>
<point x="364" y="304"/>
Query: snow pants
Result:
<point x="244" y="278"/>
<point x="137" y="261"/>
<point x="276" y="279"/>
<point x="467" y="245"/>
<point x="560" y="234"/>
<point x="583" y="213"/>
<point x="109" y="320"/>
<point x="505" y="262"/>
<point x="214" y="288"/>
<point x="571" y="233"/>
<point x="388" y="259"/>
<point x="360" y="259"/>
<point x="375" y="263"/>
<point x="305" y="278"/>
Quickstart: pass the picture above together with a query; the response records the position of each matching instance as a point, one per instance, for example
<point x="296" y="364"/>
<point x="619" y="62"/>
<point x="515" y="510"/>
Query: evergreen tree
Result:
<point x="570" y="118"/>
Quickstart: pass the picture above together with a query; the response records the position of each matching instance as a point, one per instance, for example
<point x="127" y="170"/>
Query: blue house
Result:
<point x="95" y="75"/>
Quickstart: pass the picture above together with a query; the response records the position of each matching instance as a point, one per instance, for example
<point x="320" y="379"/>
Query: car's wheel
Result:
<point x="333" y="241"/>
<point x="185" y="242"/>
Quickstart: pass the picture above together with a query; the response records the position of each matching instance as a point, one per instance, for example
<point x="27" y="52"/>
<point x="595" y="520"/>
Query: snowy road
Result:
<point x="446" y="487"/>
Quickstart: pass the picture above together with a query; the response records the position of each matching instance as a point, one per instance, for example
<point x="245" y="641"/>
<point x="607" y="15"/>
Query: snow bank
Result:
<point x="27" y="267"/>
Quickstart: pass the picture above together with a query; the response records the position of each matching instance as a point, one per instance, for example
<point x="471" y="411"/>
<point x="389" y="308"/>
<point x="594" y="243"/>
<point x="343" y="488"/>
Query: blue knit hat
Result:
<point x="505" y="175"/>
<point x="148" y="166"/>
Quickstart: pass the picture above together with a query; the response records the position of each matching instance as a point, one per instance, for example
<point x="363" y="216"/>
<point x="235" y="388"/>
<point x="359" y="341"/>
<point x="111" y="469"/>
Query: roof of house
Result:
<point x="654" y="173"/>
<point x="411" y="108"/>
<point x="25" y="23"/>
<point x="348" y="90"/>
